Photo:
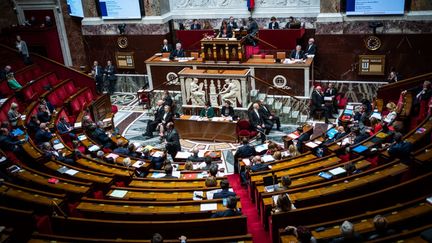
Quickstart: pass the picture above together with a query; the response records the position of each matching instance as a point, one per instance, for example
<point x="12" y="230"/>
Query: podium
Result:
<point x="222" y="50"/>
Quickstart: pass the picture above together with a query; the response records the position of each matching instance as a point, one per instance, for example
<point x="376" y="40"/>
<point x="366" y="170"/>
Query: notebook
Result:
<point x="331" y="133"/>
<point x="360" y="149"/>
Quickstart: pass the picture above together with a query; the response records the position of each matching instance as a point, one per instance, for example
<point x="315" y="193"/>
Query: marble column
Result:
<point x="152" y="7"/>
<point x="421" y="5"/>
<point x="330" y="6"/>
<point x="90" y="8"/>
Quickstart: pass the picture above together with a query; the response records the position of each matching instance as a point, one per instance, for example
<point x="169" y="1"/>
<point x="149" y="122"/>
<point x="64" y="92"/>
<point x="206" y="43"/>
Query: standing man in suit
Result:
<point x="151" y="125"/>
<point x="311" y="48"/>
<point x="256" y="119"/>
<point x="195" y="25"/>
<point x="252" y="30"/>
<point x="273" y="25"/>
<point x="178" y="52"/>
<point x="318" y="103"/>
<point x="331" y="91"/>
<point x="166" y="47"/>
<point x="172" y="139"/>
<point x="97" y="72"/>
<point x="110" y="72"/>
<point x="232" y="24"/>
<point x="269" y="117"/>
<point x="244" y="151"/>
<point x="298" y="53"/>
<point x="23" y="50"/>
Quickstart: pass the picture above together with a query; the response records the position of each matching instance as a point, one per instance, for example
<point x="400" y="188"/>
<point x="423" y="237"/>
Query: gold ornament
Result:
<point x="122" y="42"/>
<point x="373" y="43"/>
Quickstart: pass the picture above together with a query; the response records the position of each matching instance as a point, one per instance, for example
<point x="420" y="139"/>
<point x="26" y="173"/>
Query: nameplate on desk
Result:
<point x="77" y="125"/>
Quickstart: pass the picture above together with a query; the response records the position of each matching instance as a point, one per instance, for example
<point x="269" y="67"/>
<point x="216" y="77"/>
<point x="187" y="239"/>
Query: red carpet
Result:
<point x="248" y="208"/>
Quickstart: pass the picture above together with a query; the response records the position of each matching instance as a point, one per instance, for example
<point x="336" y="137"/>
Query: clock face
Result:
<point x="373" y="43"/>
<point x="122" y="42"/>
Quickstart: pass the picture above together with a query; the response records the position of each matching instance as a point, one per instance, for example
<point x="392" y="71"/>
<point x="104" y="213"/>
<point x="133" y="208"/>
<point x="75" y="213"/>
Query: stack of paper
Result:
<point x="71" y="172"/>
<point x="82" y="137"/>
<point x="182" y="155"/>
<point x="157" y="154"/>
<point x="138" y="164"/>
<point x="113" y="156"/>
<point x="311" y="144"/>
<point x="267" y="158"/>
<point x="77" y="125"/>
<point x="337" y="171"/>
<point x="246" y="161"/>
<point x="261" y="148"/>
<point x="176" y="174"/>
<point x="58" y="146"/>
<point x="293" y="136"/>
<point x="157" y="175"/>
<point x="198" y="195"/>
<point x="208" y="206"/>
<point x="118" y="193"/>
<point x="94" y="148"/>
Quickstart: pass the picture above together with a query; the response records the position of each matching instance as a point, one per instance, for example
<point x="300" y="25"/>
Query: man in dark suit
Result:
<point x="227" y="110"/>
<point x="244" y="151"/>
<point x="304" y="136"/>
<point x="331" y="91"/>
<point x="317" y="103"/>
<point x="232" y="24"/>
<point x="9" y="143"/>
<point x="178" y="52"/>
<point x="194" y="157"/>
<point x="256" y="119"/>
<point x="167" y="117"/>
<point x="167" y="99"/>
<point x="43" y="114"/>
<point x="65" y="128"/>
<point x="273" y="25"/>
<point x="43" y="134"/>
<point x="269" y="118"/>
<point x="151" y="125"/>
<point x="224" y="184"/>
<point x="97" y="73"/>
<point x="231" y="204"/>
<point x="297" y="53"/>
<point x="252" y="30"/>
<point x="311" y="48"/>
<point x="5" y="71"/>
<point x="99" y="134"/>
<point x="400" y="149"/>
<point x="110" y="72"/>
<point x="195" y="25"/>
<point x="166" y="47"/>
<point x="172" y="140"/>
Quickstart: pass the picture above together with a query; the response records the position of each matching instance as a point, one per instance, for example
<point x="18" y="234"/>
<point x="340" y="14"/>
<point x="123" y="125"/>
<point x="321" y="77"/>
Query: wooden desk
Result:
<point x="296" y="76"/>
<point x="222" y="49"/>
<point x="223" y="131"/>
<point x="169" y="183"/>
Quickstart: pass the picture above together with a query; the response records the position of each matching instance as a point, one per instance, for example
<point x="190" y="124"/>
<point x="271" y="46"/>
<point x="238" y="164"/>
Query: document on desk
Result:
<point x="94" y="148"/>
<point x="82" y="137"/>
<point x="208" y="206"/>
<point x="293" y="136"/>
<point x="210" y="194"/>
<point x="246" y="161"/>
<point x="176" y="174"/>
<point x="157" y="175"/>
<point x="198" y="195"/>
<point x="118" y="193"/>
<point x="139" y="164"/>
<point x="267" y="158"/>
<point x="182" y="155"/>
<point x="71" y="172"/>
<point x="260" y="148"/>
<point x="194" y="118"/>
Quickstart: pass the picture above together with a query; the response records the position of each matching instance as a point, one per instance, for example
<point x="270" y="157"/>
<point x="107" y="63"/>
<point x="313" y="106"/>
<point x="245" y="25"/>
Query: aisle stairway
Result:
<point x="249" y="209"/>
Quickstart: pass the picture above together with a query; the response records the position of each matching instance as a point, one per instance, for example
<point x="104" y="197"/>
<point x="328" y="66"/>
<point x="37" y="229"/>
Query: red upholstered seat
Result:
<point x="114" y="109"/>
<point x="43" y="224"/>
<point x="244" y="129"/>
<point x="70" y="88"/>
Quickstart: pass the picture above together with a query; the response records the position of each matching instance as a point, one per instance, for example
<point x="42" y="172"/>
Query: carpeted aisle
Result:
<point x="248" y="208"/>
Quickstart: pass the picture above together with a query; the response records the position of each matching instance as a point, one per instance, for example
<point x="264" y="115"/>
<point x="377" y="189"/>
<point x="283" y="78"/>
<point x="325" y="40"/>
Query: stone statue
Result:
<point x="231" y="92"/>
<point x="195" y="92"/>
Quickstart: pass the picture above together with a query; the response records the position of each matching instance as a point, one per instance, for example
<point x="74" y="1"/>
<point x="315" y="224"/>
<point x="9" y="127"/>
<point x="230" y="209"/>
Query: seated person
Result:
<point x="422" y="96"/>
<point x="8" y="142"/>
<point x="269" y="117"/>
<point x="227" y="110"/>
<point x="49" y="107"/>
<point x="98" y="133"/>
<point x="340" y="134"/>
<point x="292" y="23"/>
<point x="225" y="33"/>
<point x="166" y="47"/>
<point x="348" y="234"/>
<point x="5" y="71"/>
<point x="195" y="25"/>
<point x="283" y="204"/>
<point x="86" y="122"/>
<point x="292" y="150"/>
<point x="207" y="25"/>
<point x="168" y="172"/>
<point x="317" y="103"/>
<point x="381" y="228"/>
<point x="33" y="124"/>
<point x="273" y="25"/>
<point x="393" y="76"/>
<point x="391" y="116"/>
<point x="43" y="114"/>
<point x="157" y="162"/>
<point x="400" y="148"/>
<point x="359" y="135"/>
<point x="51" y="154"/>
<point x="165" y="119"/>
<point x="311" y="48"/>
<point x="304" y="136"/>
<point x="224" y="184"/>
<point x="13" y="114"/>
<point x="244" y="151"/>
<point x="232" y="24"/>
<point x="257" y="120"/>
<point x="121" y="148"/>
<point x="65" y="128"/>
<point x="178" y="52"/>
<point x="207" y="111"/>
<point x="194" y="157"/>
<point x="211" y="181"/>
<point x="256" y="165"/>
<point x="12" y="82"/>
<point x="231" y="204"/>
<point x="43" y="134"/>
<point x="302" y="234"/>
<point x="132" y="151"/>
<point x="297" y="54"/>
<point x="158" y="112"/>
<point x="207" y="164"/>
<point x="284" y="184"/>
